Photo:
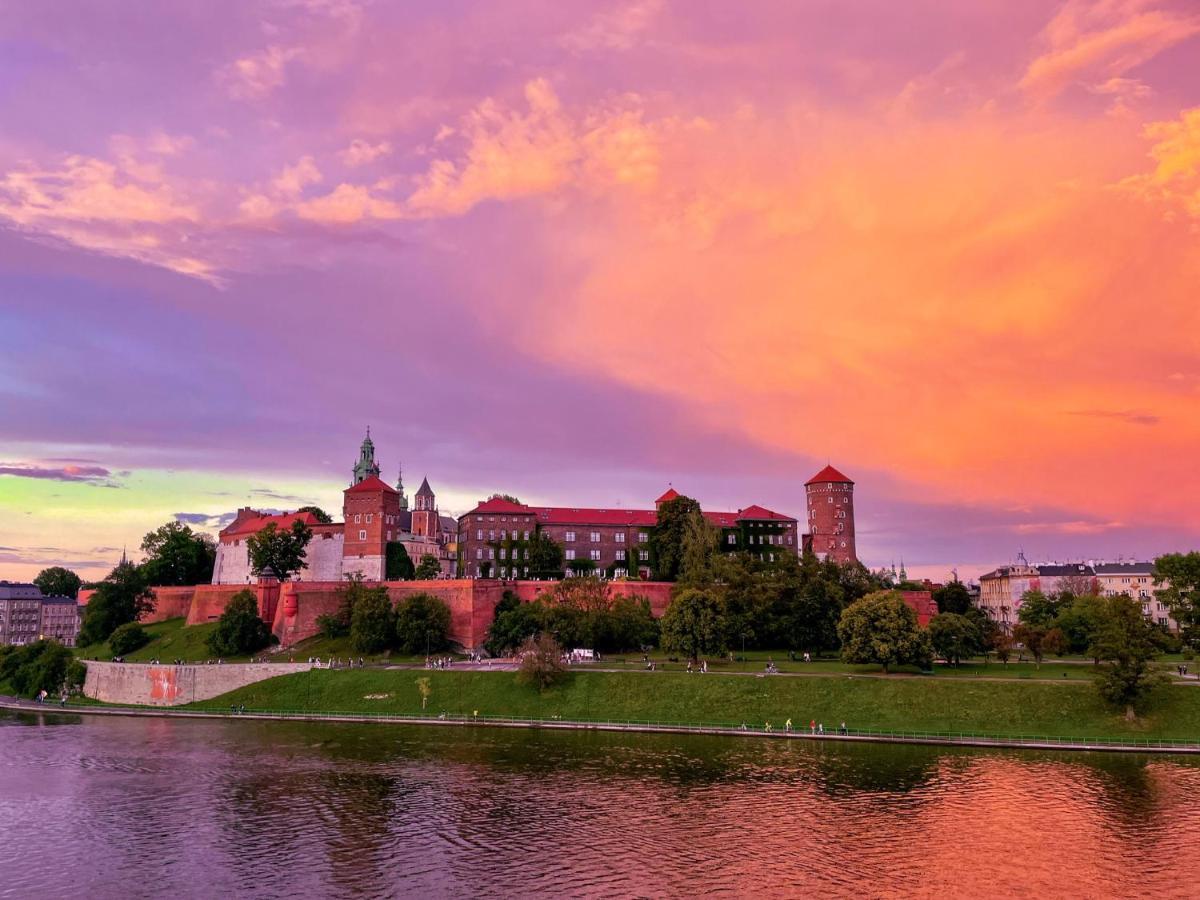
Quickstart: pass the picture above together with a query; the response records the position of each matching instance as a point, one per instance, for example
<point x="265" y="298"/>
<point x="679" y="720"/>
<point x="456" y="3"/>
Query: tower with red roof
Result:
<point x="830" y="496"/>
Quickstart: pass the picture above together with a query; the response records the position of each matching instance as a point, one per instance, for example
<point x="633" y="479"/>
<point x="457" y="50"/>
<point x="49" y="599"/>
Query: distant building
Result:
<point x="830" y="501"/>
<point x="1137" y="580"/>
<point x="374" y="515"/>
<point x="27" y="616"/>
<point x="1001" y="590"/>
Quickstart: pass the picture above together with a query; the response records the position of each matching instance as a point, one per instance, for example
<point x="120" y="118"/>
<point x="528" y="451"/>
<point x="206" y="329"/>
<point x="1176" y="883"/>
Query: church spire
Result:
<point x="366" y="467"/>
<point x="400" y="487"/>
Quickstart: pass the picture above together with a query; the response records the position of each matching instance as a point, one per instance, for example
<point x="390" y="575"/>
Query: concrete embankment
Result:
<point x="154" y="684"/>
<point x="978" y="741"/>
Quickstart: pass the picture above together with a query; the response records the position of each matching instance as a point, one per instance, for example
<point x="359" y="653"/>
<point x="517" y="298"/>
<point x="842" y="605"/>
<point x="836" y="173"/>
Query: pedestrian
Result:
<point x="812" y="726"/>
<point x="62" y="701"/>
<point x="821" y="728"/>
<point x="788" y="726"/>
<point x="767" y="726"/>
<point x="844" y="729"/>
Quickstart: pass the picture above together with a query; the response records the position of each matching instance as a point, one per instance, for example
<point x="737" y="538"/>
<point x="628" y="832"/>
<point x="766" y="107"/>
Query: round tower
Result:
<point x="830" y="497"/>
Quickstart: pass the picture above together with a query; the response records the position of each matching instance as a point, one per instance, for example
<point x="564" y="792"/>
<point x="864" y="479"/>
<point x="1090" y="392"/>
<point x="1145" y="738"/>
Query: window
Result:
<point x="491" y="535"/>
<point x="830" y="499"/>
<point x="503" y="572"/>
<point x="526" y="536"/>
<point x="618" y="573"/>
<point x="503" y="553"/>
<point x="595" y="554"/>
<point x="621" y="555"/>
<point x="389" y="534"/>
<point x="595" y="537"/>
<point x="643" y="537"/>
<point x="370" y="518"/>
<point x="491" y="553"/>
<point x="570" y="554"/>
<point x="619" y="537"/>
<point x="643" y="555"/>
<point x="479" y="534"/>
<point x="358" y="518"/>
<point x="569" y="536"/>
<point x="479" y="553"/>
<point x="362" y="535"/>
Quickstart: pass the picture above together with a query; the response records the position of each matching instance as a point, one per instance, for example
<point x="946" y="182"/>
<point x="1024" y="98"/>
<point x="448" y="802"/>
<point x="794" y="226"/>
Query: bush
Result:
<point x="129" y="637"/>
<point x="515" y="623"/>
<point x="35" y="667"/>
<point x="422" y="625"/>
<point x="372" y="626"/>
<point x="240" y="631"/>
<point x="542" y="665"/>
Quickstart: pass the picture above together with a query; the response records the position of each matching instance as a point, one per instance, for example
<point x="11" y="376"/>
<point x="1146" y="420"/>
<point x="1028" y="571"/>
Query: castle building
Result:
<point x="494" y="537"/>
<point x="830" y="500"/>
<point x="374" y="515"/>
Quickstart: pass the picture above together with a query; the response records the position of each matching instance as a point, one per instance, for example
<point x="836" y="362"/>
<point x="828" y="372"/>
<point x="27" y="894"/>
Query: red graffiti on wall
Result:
<point x="162" y="684"/>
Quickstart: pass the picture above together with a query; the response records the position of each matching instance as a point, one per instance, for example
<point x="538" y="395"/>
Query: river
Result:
<point x="112" y="807"/>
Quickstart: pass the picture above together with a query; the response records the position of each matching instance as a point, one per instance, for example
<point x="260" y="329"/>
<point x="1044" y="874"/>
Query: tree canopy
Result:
<point x="669" y="534"/>
<point x="177" y="555"/>
<point x="58" y="582"/>
<point x="422" y="625"/>
<point x="1126" y="644"/>
<point x="545" y="556"/>
<point x="372" y="619"/>
<point x="694" y="624"/>
<point x="240" y="631"/>
<point x="428" y="567"/>
<point x="319" y="514"/>
<point x="282" y="552"/>
<point x="954" y="636"/>
<point x="398" y="566"/>
<point x="953" y="598"/>
<point x="881" y="628"/>
<point x="1178" y="575"/>
<point x="122" y="597"/>
<point x="38" y="666"/>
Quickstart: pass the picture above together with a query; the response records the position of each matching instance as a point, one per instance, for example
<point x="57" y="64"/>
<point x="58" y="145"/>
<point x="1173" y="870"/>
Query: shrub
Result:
<point x="372" y="625"/>
<point x="240" y="631"/>
<point x="542" y="665"/>
<point x="35" y="667"/>
<point x="129" y="637"/>
<point x="422" y="624"/>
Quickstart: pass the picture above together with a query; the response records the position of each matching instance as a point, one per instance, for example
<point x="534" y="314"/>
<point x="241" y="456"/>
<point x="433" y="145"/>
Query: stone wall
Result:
<point x="159" y="685"/>
<point x="323" y="555"/>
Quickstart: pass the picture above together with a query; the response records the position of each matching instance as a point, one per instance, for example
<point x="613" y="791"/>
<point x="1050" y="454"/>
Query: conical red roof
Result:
<point x="671" y="494"/>
<point x="827" y="475"/>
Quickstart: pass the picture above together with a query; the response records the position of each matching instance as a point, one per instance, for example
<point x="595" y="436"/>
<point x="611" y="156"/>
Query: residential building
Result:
<point x="20" y="612"/>
<point x="60" y="620"/>
<point x="1001" y="590"/>
<point x="1137" y="580"/>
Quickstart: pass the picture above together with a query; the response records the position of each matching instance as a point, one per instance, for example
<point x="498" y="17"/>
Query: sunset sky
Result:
<point x="575" y="251"/>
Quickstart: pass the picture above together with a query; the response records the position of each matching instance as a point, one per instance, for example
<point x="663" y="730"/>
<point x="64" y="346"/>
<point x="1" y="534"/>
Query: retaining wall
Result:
<point x="159" y="685"/>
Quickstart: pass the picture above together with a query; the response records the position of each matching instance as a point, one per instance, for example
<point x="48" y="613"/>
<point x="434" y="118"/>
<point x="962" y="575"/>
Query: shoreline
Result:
<point x="11" y="704"/>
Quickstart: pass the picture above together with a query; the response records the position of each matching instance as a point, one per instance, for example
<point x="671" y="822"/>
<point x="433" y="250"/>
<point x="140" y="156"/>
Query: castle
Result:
<point x="374" y="514"/>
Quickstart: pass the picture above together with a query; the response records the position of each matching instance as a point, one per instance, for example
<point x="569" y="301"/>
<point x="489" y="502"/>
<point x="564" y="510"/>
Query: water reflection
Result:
<point x="139" y="807"/>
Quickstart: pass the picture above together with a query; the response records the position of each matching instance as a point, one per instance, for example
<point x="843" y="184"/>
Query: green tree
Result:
<point x="428" y="567"/>
<point x="545" y="556"/>
<point x="240" y="631"/>
<point x="954" y="637"/>
<point x="952" y="598"/>
<point x="698" y="550"/>
<point x="58" y="582"/>
<point x="1038" y="610"/>
<point x="668" y="535"/>
<point x="694" y="623"/>
<point x="422" y="624"/>
<point x="816" y="598"/>
<point x="398" y="566"/>
<point x="319" y="514"/>
<point x="372" y="621"/>
<point x="881" y="628"/>
<point x="1178" y="574"/>
<point x="627" y="624"/>
<point x="1127" y="645"/>
<point x="337" y="623"/>
<point x="282" y="552"/>
<point x="1080" y="620"/>
<point x="176" y="555"/>
<point x="1032" y="638"/>
<point x="122" y="597"/>
<point x="514" y="622"/>
<point x="1055" y="642"/>
<point x="542" y="663"/>
<point x="129" y="637"/>
<point x="41" y="665"/>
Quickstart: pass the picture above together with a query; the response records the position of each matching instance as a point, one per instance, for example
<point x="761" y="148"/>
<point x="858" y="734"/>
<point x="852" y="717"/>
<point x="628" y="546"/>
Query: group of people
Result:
<point x="702" y="668"/>
<point x="335" y="662"/>
<point x="438" y="662"/>
<point x="43" y="694"/>
<point x="815" y="728"/>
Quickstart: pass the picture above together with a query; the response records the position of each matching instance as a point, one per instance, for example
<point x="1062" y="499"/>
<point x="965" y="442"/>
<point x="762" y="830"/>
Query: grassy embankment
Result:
<point x="1069" y="709"/>
<point x="169" y="640"/>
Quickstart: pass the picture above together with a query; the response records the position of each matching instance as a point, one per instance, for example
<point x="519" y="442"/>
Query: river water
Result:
<point x="114" y="807"/>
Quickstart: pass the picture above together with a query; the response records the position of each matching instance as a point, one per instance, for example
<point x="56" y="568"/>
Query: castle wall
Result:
<point x="158" y="685"/>
<point x="324" y="558"/>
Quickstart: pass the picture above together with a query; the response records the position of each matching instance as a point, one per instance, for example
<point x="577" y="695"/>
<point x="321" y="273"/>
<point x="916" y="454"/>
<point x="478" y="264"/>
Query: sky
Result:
<point x="577" y="251"/>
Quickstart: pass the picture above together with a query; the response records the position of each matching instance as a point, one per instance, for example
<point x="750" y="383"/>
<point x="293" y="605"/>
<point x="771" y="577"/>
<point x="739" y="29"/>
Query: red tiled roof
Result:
<point x="828" y="474"/>
<point x="500" y="505"/>
<point x="256" y="523"/>
<point x="722" y="519"/>
<point x="761" y="512"/>
<point x="374" y="483"/>
<point x="671" y="494"/>
<point x="567" y="515"/>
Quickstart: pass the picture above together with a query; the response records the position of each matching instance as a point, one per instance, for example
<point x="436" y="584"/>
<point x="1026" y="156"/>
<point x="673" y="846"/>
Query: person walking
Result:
<point x="821" y="728"/>
<point x="844" y="729"/>
<point x="812" y="726"/>
<point x="788" y="726"/>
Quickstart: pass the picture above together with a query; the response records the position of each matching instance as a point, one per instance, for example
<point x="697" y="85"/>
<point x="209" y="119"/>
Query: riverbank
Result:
<point x="900" y="705"/>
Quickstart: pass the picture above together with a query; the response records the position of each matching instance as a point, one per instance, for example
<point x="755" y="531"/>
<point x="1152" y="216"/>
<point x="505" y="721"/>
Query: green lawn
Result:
<point x="169" y="640"/>
<point x="1070" y="709"/>
<point x="324" y="648"/>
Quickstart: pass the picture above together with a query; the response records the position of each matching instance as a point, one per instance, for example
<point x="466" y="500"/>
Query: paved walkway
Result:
<point x="945" y="740"/>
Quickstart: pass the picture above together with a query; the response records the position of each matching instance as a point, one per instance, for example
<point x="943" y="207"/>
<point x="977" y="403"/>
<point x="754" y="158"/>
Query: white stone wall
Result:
<point x="324" y="561"/>
<point x="370" y="567"/>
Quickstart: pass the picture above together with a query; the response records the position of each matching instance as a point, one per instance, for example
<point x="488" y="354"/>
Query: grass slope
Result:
<point x="1070" y="709"/>
<point x="168" y="640"/>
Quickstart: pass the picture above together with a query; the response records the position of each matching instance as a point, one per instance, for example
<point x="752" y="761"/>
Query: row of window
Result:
<point x="503" y="572"/>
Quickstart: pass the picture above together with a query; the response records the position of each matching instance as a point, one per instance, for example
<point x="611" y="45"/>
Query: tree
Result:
<point x="428" y="567"/>
<point x="337" y="623"/>
<point x="58" y="582"/>
<point x="581" y="567"/>
<point x="542" y="663"/>
<point x="422" y="624"/>
<point x="1038" y="610"/>
<point x="1032" y="638"/>
<point x="1127" y="645"/>
<point x="881" y="628"/>
<point x="397" y="565"/>
<point x="372" y="621"/>
<point x="1080" y="620"/>
<point x="1001" y="644"/>
<point x="952" y="598"/>
<point x="121" y="597"/>
<point x="129" y="637"/>
<point x="425" y="689"/>
<point x="39" y="666"/>
<point x="240" y="631"/>
<point x="627" y="624"/>
<point x="1179" y="575"/>
<point x="282" y="552"/>
<point x="176" y="555"/>
<point x="954" y="636"/>
<point x="319" y="514"/>
<point x="694" y="623"/>
<point x="668" y="535"/>
<point x="513" y="624"/>
<point x="700" y="546"/>
<point x="545" y="556"/>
